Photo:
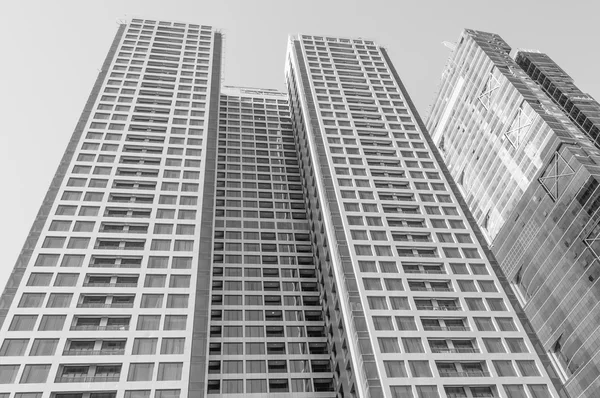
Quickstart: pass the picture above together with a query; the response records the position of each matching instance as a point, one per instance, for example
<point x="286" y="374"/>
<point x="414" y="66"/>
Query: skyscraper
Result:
<point x="520" y="140"/>
<point x="204" y="240"/>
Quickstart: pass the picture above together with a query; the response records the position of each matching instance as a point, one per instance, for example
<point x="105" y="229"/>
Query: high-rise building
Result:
<point x="520" y="140"/>
<point x="204" y="240"/>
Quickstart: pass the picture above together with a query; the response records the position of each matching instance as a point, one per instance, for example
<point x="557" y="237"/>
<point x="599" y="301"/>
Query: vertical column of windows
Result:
<point x="264" y="289"/>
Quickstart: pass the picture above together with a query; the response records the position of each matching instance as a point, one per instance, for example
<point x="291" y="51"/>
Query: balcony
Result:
<point x="98" y="327"/>
<point x="103" y="305"/>
<point x="418" y="271"/>
<point x="472" y="373"/>
<point x="108" y="284"/>
<point x="94" y="352"/>
<point x="87" y="379"/>
<point x="432" y="328"/>
<point x="441" y="350"/>
<point x="430" y="289"/>
<point x="438" y="308"/>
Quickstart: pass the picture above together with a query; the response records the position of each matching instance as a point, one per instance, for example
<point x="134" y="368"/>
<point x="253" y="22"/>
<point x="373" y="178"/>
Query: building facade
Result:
<point x="519" y="139"/>
<point x="204" y="240"/>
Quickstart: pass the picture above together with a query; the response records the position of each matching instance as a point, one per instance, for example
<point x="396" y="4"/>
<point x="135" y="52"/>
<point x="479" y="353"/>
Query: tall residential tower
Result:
<point x="205" y="240"/>
<point x="520" y="140"/>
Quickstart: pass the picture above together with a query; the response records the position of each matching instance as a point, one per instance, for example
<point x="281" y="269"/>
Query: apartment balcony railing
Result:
<point x="455" y="350"/>
<point x="103" y="305"/>
<point x="474" y="395"/>
<point x="97" y="327"/>
<point x="464" y="374"/>
<point x="100" y="284"/>
<point x="87" y="379"/>
<point x="417" y="271"/>
<point x="447" y="328"/>
<point x="94" y="352"/>
<point x="431" y="289"/>
<point x="113" y="265"/>
<point x="439" y="308"/>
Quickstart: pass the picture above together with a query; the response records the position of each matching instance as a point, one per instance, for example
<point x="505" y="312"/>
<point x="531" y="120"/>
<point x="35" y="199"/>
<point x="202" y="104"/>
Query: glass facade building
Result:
<point x="205" y="240"/>
<point x="519" y="138"/>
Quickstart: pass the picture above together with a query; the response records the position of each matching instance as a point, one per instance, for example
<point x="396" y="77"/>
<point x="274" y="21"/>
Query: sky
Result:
<point x="52" y="52"/>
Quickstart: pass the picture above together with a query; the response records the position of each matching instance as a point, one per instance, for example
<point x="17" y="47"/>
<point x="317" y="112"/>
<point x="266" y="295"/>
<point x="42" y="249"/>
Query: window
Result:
<point x="179" y="281"/>
<point x="406" y="323"/>
<point x="515" y="391"/>
<point x="175" y="322"/>
<point x="63" y="279"/>
<point x="538" y="390"/>
<point x="395" y="368"/>
<point x="177" y="301"/>
<point x="167" y="393"/>
<point x="8" y="373"/>
<point x="35" y="374"/>
<point x="52" y="322"/>
<point x="484" y="324"/>
<point x="487" y="286"/>
<point x="172" y="346"/>
<point x="151" y="301"/>
<point x="143" y="346"/>
<point x="528" y="368"/>
<point x="383" y="323"/>
<point x="363" y="250"/>
<point x="372" y="284"/>
<point x="427" y="392"/>
<point x="256" y="386"/>
<point x="140" y="372"/>
<point x="516" y="345"/>
<point x="153" y="280"/>
<point x="232" y="386"/>
<point x="399" y="303"/>
<point x="494" y="345"/>
<point x="401" y="392"/>
<point x="475" y="304"/>
<point x="43" y="347"/>
<point x="183" y="245"/>
<point x="504" y="368"/>
<point x="148" y="322"/>
<point x="158" y="262"/>
<point x="137" y="394"/>
<point x="46" y="260"/>
<point x="160" y="244"/>
<point x="412" y="345"/>
<point x="60" y="225"/>
<point x="479" y="269"/>
<point x="467" y="285"/>
<point x="23" y="322"/>
<point x="377" y="303"/>
<point x="496" y="304"/>
<point x="53" y="242"/>
<point x="506" y="324"/>
<point x="31" y="300"/>
<point x="459" y="269"/>
<point x="393" y="284"/>
<point x="169" y="371"/>
<point x="72" y="260"/>
<point x="13" y="347"/>
<point x="420" y="368"/>
<point x="388" y="345"/>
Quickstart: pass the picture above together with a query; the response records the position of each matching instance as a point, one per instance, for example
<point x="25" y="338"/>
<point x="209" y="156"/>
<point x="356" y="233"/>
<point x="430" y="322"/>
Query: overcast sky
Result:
<point x="52" y="51"/>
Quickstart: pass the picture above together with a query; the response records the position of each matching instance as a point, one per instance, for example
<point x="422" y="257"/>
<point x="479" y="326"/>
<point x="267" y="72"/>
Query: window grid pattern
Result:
<point x="116" y="257"/>
<point x="267" y="332"/>
<point x="419" y="266"/>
